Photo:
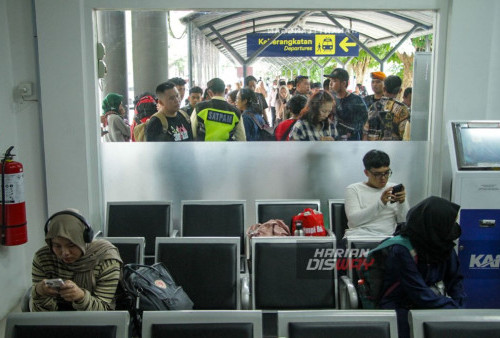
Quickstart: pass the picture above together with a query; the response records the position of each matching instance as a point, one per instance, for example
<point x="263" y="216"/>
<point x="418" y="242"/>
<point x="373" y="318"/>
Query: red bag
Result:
<point x="312" y="222"/>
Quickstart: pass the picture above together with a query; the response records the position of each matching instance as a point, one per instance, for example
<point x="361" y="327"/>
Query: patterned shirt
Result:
<point x="304" y="131"/>
<point x="179" y="129"/>
<point x="387" y="121"/>
<point x="351" y="114"/>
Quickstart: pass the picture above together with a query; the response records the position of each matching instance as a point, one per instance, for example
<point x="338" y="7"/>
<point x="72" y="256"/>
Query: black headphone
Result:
<point x="88" y="233"/>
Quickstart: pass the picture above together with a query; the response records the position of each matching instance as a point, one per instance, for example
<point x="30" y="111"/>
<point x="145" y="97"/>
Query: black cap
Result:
<point x="339" y="73"/>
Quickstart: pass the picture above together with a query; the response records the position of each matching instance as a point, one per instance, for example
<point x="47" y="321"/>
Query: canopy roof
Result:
<point x="228" y="30"/>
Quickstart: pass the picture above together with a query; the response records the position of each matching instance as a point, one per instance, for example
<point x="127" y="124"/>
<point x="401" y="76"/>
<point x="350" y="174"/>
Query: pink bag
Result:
<point x="273" y="227"/>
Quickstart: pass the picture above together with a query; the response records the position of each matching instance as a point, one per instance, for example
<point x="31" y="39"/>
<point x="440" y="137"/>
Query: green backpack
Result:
<point x="371" y="278"/>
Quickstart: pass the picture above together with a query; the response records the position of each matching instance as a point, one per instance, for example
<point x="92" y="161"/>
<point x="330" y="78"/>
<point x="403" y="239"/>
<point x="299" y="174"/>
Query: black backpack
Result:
<point x="150" y="288"/>
<point x="371" y="278"/>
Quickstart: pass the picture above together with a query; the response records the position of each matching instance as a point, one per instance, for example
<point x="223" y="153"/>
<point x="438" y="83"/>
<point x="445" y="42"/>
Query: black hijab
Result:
<point x="431" y="227"/>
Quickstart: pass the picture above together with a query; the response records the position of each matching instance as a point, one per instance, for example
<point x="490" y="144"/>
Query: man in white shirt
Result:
<point x="371" y="207"/>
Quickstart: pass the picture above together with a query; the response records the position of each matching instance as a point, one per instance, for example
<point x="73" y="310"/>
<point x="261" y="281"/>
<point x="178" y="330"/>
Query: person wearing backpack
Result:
<point x="430" y="279"/>
<point x="169" y="124"/>
<point x="246" y="101"/>
<point x="144" y="108"/>
<point x="294" y="107"/>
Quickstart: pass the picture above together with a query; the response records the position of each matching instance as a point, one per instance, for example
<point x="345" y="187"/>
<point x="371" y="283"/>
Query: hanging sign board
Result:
<point x="290" y="45"/>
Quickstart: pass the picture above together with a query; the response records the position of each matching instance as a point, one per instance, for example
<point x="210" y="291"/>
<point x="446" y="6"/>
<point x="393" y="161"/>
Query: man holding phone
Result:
<point x="374" y="207"/>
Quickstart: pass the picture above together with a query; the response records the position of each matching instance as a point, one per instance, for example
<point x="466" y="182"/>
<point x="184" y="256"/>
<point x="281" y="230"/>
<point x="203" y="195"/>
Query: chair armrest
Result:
<point x="245" y="292"/>
<point x="348" y="294"/>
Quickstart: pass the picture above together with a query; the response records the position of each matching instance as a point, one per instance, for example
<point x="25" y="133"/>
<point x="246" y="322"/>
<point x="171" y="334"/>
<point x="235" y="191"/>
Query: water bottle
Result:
<point x="298" y="229"/>
<point x="364" y="296"/>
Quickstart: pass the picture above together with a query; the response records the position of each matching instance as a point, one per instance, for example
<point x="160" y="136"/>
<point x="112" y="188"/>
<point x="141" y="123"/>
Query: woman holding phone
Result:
<point x="74" y="271"/>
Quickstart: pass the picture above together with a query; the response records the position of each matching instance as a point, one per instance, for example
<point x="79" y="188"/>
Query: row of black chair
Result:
<point x="248" y="324"/>
<point x="206" y="218"/>
<point x="284" y="273"/>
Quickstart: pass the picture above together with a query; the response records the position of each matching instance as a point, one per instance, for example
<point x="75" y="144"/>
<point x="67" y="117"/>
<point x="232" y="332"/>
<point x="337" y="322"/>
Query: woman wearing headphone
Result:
<point x="74" y="271"/>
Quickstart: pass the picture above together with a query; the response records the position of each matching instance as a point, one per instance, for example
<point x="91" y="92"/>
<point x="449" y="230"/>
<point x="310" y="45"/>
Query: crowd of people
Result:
<point x="331" y="112"/>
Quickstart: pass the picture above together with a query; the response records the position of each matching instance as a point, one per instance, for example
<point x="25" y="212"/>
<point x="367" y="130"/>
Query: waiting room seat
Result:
<point x="456" y="323"/>
<point x="338" y="218"/>
<point x="81" y="324"/>
<point x="208" y="269"/>
<point x="198" y="324"/>
<point x="213" y="219"/>
<point x="288" y="273"/>
<point x="282" y="209"/>
<point x="139" y="219"/>
<point x="131" y="248"/>
<point x="337" y="323"/>
<point x="348" y="296"/>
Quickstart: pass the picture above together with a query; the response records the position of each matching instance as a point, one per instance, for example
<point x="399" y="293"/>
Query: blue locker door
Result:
<point x="479" y="254"/>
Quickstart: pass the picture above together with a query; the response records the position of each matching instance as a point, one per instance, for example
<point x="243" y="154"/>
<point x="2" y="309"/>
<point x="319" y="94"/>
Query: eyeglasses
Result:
<point x="387" y="174"/>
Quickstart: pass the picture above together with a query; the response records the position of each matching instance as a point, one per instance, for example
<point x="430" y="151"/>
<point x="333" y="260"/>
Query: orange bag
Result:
<point x="313" y="223"/>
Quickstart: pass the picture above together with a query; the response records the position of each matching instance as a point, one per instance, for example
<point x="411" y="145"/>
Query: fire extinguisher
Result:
<point x="13" y="211"/>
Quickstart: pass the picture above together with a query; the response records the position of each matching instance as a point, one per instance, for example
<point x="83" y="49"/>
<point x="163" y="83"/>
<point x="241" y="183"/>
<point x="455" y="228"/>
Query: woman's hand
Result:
<point x="70" y="292"/>
<point x="44" y="290"/>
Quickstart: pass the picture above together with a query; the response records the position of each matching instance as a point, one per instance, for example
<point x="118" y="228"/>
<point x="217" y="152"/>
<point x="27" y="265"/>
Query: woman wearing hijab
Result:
<point x="113" y="113"/>
<point x="90" y="269"/>
<point x="430" y="279"/>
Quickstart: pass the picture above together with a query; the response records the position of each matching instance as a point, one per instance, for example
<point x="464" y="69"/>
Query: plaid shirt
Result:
<point x="304" y="131"/>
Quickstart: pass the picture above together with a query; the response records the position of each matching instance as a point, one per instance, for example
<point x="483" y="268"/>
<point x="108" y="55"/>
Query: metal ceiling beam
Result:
<point x="228" y="47"/>
<point x="225" y="18"/>
<point x="392" y="51"/>
<point x="403" y="18"/>
<point x="275" y="36"/>
<point x="352" y="36"/>
<point x="368" y="23"/>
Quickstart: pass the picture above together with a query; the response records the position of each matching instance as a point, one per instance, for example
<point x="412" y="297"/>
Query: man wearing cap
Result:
<point x="377" y="87"/>
<point x="351" y="114"/>
<point x="215" y="119"/>
<point x="388" y="119"/>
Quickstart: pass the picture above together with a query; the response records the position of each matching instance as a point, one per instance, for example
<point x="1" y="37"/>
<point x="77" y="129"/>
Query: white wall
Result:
<point x="20" y="127"/>
<point x="472" y="69"/>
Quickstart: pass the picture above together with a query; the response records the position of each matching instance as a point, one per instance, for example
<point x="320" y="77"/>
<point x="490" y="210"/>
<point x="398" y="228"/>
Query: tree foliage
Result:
<point x="401" y="62"/>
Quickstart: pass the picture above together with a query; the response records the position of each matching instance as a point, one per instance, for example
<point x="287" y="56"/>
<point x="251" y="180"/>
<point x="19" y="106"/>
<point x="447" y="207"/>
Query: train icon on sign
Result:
<point x="325" y="44"/>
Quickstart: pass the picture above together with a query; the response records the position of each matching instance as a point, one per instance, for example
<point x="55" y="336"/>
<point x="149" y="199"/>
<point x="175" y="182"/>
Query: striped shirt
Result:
<point x="98" y="298"/>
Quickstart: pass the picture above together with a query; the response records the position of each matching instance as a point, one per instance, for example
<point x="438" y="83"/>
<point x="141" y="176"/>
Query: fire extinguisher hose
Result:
<point x="4" y="211"/>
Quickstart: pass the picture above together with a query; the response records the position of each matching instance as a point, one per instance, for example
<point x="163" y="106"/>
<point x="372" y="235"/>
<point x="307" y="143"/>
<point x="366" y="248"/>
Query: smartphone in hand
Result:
<point x="54" y="283"/>
<point x="397" y="188"/>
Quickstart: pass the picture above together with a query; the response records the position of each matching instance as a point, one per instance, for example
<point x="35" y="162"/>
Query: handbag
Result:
<point x="273" y="227"/>
<point x="312" y="220"/>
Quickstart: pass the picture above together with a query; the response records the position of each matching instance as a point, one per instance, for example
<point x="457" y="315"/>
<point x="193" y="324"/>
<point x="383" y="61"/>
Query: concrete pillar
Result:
<point x="111" y="32"/>
<point x="149" y="50"/>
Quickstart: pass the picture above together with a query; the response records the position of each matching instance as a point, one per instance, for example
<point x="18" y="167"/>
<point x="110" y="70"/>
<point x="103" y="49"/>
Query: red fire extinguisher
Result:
<point x="13" y="210"/>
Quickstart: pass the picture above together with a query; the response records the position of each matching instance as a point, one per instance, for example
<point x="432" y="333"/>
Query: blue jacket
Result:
<point x="415" y="279"/>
